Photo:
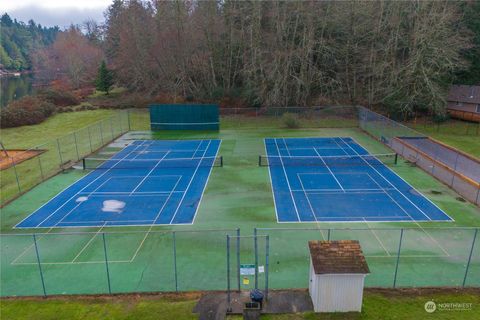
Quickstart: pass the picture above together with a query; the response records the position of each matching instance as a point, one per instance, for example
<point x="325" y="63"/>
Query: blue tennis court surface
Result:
<point x="149" y="182"/>
<point x="336" y="180"/>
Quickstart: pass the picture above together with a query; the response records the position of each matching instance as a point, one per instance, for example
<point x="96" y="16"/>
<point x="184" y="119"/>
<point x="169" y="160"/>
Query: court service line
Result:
<point x="148" y="174"/>
<point x="326" y="165"/>
<point x="190" y="182"/>
<point x="376" y="236"/>
<point x="154" y="221"/>
<point x="308" y="199"/>
<point x="88" y="243"/>
<point x="286" y="178"/>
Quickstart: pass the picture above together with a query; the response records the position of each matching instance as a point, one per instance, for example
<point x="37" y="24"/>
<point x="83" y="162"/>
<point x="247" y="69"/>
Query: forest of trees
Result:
<point x="398" y="54"/>
<point x="19" y="40"/>
<point x="401" y="56"/>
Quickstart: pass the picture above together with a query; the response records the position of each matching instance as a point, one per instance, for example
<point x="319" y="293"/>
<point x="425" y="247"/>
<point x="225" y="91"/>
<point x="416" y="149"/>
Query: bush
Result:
<point x="58" y="97"/>
<point x="26" y="111"/>
<point x="290" y="120"/>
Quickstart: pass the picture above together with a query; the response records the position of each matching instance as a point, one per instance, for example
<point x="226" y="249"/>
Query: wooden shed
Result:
<point x="337" y="273"/>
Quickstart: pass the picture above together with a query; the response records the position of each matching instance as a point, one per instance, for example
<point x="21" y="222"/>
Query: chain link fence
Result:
<point x="453" y="167"/>
<point x="57" y="155"/>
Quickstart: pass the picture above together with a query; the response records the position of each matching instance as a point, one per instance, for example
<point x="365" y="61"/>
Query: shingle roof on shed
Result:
<point x="342" y="256"/>
<point x="467" y="94"/>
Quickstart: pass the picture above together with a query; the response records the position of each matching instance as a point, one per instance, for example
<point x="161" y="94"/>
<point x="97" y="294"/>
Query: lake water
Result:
<point x="13" y="88"/>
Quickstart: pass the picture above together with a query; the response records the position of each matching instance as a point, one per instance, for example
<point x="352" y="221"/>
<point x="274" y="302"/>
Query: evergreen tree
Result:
<point x="104" y="78"/>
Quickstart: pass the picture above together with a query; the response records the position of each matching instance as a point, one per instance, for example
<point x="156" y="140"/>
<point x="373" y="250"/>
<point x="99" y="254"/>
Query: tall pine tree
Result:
<point x="104" y="78"/>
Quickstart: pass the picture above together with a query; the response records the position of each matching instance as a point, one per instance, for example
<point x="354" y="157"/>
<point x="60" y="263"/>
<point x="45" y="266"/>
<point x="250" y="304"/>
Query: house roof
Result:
<point x="342" y="256"/>
<point x="467" y="94"/>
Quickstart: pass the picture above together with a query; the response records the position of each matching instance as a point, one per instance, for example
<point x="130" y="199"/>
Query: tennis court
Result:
<point x="337" y="180"/>
<point x="149" y="182"/>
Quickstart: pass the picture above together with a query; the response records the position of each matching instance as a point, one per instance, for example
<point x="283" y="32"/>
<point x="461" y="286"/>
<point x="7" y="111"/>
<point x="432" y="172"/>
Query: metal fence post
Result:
<point x="106" y="262"/>
<point x="76" y="145"/>
<point x="238" y="259"/>
<point x="90" y="139"/>
<point x="398" y="258"/>
<point x="328" y="234"/>
<point x="267" y="255"/>
<point x="255" y="243"/>
<point x="228" y="269"/>
<point x="40" y="165"/>
<point x="111" y="127"/>
<point x="101" y="132"/>
<point x="59" y="151"/>
<point x="469" y="258"/>
<point x="16" y="176"/>
<point x="175" y="260"/>
<point x="128" y="120"/>
<point x="39" y="265"/>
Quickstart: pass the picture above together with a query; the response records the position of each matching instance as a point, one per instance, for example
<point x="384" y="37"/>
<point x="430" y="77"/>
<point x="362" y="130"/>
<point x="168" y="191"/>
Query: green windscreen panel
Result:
<point x="184" y="117"/>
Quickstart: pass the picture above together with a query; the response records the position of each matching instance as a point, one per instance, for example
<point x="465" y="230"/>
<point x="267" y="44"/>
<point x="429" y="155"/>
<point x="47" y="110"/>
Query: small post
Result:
<point x="328" y="234"/>
<point x="16" y="176"/>
<point x="84" y="165"/>
<point x="398" y="258"/>
<point x="255" y="244"/>
<point x="469" y="258"/>
<point x="90" y="139"/>
<point x="59" y="152"/>
<point x="128" y="119"/>
<point x="39" y="265"/>
<point x="238" y="259"/>
<point x="175" y="260"/>
<point x="106" y="262"/>
<point x="40" y="166"/>
<point x="228" y="270"/>
<point x="111" y="127"/>
<point x="267" y="255"/>
<point x="76" y="145"/>
<point x="396" y="158"/>
<point x="101" y="132"/>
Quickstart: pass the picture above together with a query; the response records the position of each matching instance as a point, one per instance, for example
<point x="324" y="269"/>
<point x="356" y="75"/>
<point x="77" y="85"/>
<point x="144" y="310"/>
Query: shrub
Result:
<point x="290" y="120"/>
<point x="59" y="98"/>
<point x="26" y="111"/>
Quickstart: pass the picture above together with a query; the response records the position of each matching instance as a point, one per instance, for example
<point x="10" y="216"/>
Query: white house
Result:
<point x="337" y="273"/>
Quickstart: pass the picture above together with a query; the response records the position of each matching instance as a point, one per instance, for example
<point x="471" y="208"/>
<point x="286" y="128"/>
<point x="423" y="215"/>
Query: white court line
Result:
<point x="333" y="175"/>
<point x="288" y="182"/>
<point x="88" y="243"/>
<point x="376" y="236"/>
<point x="119" y="193"/>
<point x="154" y="221"/>
<point x="190" y="182"/>
<point x="286" y="148"/>
<point x="148" y="174"/>
<point x="195" y="152"/>
<point x="308" y="199"/>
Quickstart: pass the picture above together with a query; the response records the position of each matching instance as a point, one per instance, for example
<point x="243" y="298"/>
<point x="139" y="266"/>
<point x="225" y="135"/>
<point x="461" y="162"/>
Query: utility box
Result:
<point x="337" y="274"/>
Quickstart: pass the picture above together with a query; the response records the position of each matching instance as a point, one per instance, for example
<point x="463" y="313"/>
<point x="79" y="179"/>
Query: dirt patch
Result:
<point x="15" y="156"/>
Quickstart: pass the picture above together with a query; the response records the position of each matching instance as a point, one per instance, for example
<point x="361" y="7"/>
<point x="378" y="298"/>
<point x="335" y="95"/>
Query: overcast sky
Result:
<point x="55" y="12"/>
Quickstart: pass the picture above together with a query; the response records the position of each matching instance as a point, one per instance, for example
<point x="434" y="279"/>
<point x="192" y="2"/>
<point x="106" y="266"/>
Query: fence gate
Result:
<point x="247" y="263"/>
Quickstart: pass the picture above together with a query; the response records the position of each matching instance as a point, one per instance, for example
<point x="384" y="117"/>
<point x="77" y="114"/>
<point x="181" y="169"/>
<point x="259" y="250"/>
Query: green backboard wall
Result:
<point x="184" y="117"/>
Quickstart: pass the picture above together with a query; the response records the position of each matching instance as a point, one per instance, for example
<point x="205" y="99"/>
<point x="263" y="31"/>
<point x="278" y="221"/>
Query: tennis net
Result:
<point x="330" y="161"/>
<point x="99" y="163"/>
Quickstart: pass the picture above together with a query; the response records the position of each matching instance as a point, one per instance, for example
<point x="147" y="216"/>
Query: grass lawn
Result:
<point x="384" y="305"/>
<point x="54" y="127"/>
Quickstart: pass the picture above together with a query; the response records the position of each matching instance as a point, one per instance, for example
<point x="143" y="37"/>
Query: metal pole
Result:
<point x="228" y="270"/>
<point x="101" y="132"/>
<point x="106" y="263"/>
<point x="469" y="258"/>
<point x="255" y="244"/>
<point x="39" y="265"/>
<point x="328" y="235"/>
<point x="90" y="139"/>
<point x="267" y="255"/>
<point x="128" y="119"/>
<point x="111" y="127"/>
<point x="398" y="258"/>
<point x="16" y="176"/>
<point x="76" y="145"/>
<point x="40" y="165"/>
<point x="175" y="260"/>
<point x="59" y="151"/>
<point x="238" y="259"/>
